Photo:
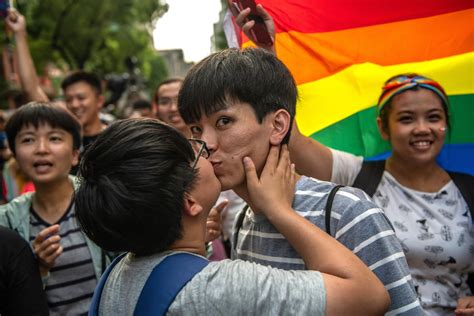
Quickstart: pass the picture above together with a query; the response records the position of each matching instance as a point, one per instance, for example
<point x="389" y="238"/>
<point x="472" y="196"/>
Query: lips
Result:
<point x="175" y="118"/>
<point x="42" y="166"/>
<point x="421" y="144"/>
<point x="216" y="166"/>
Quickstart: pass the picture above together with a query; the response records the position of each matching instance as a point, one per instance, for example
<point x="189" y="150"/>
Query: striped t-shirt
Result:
<point x="356" y="222"/>
<point x="72" y="280"/>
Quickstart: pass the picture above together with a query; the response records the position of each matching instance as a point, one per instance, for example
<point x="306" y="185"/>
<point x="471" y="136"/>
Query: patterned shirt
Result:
<point x="356" y="222"/>
<point x="437" y="237"/>
<point x="435" y="229"/>
<point x="72" y="279"/>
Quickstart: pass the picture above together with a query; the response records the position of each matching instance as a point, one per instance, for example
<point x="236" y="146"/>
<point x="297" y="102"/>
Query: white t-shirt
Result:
<point x="435" y="229"/>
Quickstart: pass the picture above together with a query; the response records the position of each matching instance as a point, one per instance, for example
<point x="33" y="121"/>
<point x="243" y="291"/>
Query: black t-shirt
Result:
<point x="21" y="289"/>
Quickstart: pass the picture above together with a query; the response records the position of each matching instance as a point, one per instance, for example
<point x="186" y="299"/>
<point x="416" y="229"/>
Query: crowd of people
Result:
<point x="208" y="200"/>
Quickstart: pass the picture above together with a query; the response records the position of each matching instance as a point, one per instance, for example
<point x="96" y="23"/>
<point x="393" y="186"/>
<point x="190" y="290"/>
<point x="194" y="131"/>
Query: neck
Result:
<point x="243" y="193"/>
<point x="194" y="237"/>
<point x="53" y="198"/>
<point x="94" y="128"/>
<point x="428" y="177"/>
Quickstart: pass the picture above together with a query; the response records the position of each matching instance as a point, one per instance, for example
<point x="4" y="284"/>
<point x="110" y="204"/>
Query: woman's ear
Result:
<point x="280" y="126"/>
<point x="191" y="206"/>
<point x="382" y="130"/>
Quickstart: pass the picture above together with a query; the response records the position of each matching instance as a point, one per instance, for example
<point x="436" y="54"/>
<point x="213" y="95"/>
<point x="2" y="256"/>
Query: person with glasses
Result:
<point x="162" y="213"/>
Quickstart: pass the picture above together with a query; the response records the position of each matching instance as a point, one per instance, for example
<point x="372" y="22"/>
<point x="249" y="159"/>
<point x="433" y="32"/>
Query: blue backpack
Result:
<point x="162" y="286"/>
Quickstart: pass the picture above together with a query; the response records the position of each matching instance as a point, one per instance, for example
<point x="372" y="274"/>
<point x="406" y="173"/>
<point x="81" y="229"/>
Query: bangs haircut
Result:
<point x="252" y="75"/>
<point x="134" y="179"/>
<point x="43" y="113"/>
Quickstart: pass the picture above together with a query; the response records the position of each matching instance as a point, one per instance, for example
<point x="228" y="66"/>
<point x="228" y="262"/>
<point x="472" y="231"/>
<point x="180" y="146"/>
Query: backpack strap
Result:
<point x="237" y="225"/>
<point x="165" y="282"/>
<point x="94" y="307"/>
<point x="465" y="184"/>
<point x="369" y="176"/>
<point x="328" y="207"/>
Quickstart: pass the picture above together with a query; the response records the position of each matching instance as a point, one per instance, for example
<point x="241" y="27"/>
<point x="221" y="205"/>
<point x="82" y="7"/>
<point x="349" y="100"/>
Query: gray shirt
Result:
<point x="224" y="287"/>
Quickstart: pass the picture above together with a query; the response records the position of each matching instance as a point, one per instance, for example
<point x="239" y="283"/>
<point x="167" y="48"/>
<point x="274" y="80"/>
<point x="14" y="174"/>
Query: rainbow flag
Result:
<point x="341" y="52"/>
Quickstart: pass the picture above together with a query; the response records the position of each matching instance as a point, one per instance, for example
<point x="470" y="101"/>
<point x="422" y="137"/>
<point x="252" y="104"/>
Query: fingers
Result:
<point x="221" y="206"/>
<point x="233" y="7"/>
<point x="273" y="158"/>
<point x="464" y="311"/>
<point x="250" y="172"/>
<point x="46" y="233"/>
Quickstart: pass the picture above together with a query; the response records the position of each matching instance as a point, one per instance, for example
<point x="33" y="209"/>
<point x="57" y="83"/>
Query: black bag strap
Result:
<point x="328" y="208"/>
<point x="237" y="225"/>
<point x="369" y="176"/>
<point x="465" y="183"/>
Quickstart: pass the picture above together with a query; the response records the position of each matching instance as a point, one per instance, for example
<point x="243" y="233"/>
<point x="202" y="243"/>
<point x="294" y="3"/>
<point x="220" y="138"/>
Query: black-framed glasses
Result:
<point x="200" y="150"/>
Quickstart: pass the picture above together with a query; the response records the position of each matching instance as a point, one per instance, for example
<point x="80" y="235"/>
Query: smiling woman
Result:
<point x="430" y="208"/>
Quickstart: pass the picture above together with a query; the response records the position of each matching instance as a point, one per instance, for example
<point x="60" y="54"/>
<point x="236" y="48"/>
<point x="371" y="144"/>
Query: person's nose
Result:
<point x="42" y="146"/>
<point x="74" y="103"/>
<point x="174" y="105"/>
<point x="210" y="137"/>
<point x="422" y="127"/>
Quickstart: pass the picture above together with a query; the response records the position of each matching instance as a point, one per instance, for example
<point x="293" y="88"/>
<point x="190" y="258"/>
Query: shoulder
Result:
<point x="13" y="213"/>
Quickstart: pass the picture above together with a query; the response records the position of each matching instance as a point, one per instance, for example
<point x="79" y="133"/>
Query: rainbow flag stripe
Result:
<point x="341" y="53"/>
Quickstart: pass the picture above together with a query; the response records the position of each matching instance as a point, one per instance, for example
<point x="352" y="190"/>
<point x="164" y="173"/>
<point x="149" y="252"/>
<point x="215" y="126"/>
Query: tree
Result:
<point x="92" y="35"/>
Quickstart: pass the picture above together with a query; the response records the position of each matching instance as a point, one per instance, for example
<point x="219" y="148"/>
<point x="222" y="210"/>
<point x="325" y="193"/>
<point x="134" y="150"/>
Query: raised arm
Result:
<point x="350" y="286"/>
<point x="28" y="76"/>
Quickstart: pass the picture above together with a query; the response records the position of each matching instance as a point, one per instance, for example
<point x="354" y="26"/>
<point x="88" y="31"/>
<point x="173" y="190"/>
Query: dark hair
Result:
<point x="141" y="104"/>
<point x="252" y="75"/>
<point x="165" y="82"/>
<point x="37" y="113"/>
<point x="82" y="76"/>
<point x="133" y="182"/>
<point x="385" y="111"/>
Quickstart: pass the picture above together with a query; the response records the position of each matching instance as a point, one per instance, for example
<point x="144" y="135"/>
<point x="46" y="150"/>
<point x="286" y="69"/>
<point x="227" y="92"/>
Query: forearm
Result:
<point x="28" y="76"/>
<point x="310" y="157"/>
<point x="347" y="278"/>
<point x="318" y="250"/>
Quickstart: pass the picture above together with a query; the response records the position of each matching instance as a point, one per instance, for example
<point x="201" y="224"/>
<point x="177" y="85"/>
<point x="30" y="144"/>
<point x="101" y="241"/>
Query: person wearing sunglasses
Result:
<point x="163" y="212"/>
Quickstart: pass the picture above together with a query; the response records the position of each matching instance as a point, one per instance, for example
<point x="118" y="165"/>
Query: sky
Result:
<point x="188" y="25"/>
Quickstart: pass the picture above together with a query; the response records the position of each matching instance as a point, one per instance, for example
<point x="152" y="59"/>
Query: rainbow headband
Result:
<point x="403" y="83"/>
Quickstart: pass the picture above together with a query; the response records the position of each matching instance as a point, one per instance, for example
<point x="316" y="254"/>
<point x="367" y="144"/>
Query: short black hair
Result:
<point x="133" y="183"/>
<point x="38" y="113"/>
<point x="164" y="82"/>
<point x="83" y="76"/>
<point x="252" y="75"/>
<point x="141" y="104"/>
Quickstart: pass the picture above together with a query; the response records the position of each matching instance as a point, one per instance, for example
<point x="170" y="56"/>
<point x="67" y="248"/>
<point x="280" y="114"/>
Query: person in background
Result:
<point x="151" y="226"/>
<point x="141" y="108"/>
<point x="21" y="290"/>
<point x="45" y="139"/>
<point x="166" y="104"/>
